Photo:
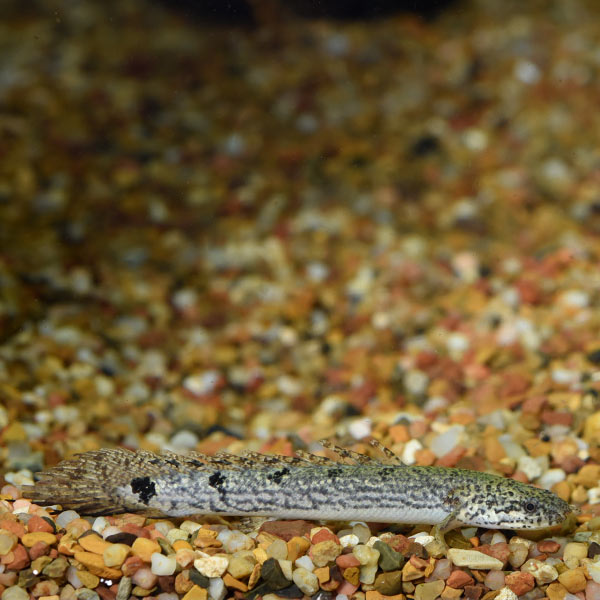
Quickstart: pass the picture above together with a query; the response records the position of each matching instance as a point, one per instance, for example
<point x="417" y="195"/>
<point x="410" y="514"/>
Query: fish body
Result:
<point x="110" y="481"/>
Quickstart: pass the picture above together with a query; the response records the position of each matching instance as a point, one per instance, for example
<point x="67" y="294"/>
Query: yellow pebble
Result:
<point x="297" y="547"/>
<point x="144" y="548"/>
<point x="179" y="544"/>
<point x="93" y="543"/>
<point x="88" y="579"/>
<point x="95" y="565"/>
<point x="196" y="593"/>
<point x="29" y="539"/>
<point x="574" y="580"/>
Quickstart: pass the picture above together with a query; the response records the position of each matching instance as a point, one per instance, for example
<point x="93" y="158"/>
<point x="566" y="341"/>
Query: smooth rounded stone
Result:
<point x="88" y="579"/>
<point x="163" y="527"/>
<point x="57" y="568"/>
<point x="519" y="550"/>
<point x="14" y="592"/>
<point x="349" y="541"/>
<point x="573" y="553"/>
<point x="494" y="580"/>
<point x="124" y="588"/>
<point x="29" y="539"/>
<point x="473" y="559"/>
<point x="144" y="548"/>
<point x="362" y="532"/>
<point x="234" y="541"/>
<point x="429" y="591"/>
<point x="217" y="589"/>
<point x="278" y="549"/>
<point x="304" y="579"/>
<point x="73" y="578"/>
<point x="592" y="591"/>
<point x="442" y="569"/>
<point x="389" y="584"/>
<point x="368" y="573"/>
<point x="114" y="535"/>
<point x="594" y="570"/>
<point x="212" y="566"/>
<point x="389" y="559"/>
<point x="65" y="517"/>
<point x="177" y="534"/>
<point x="39" y="563"/>
<point x="115" y="555"/>
<point x="167" y="596"/>
<point x="163" y="565"/>
<point x="100" y="524"/>
<point x="305" y="562"/>
<point x="86" y="594"/>
<point x="67" y="592"/>
<point x="365" y="554"/>
<point x="8" y="542"/>
<point x="286" y="568"/>
<point x="144" y="578"/>
<point x="241" y="564"/>
<point x="443" y="443"/>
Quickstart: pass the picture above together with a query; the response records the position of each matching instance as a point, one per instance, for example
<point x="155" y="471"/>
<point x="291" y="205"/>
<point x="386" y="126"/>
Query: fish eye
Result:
<point x="530" y="506"/>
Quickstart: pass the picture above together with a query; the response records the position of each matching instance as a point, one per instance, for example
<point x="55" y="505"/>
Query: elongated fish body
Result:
<point x="310" y="487"/>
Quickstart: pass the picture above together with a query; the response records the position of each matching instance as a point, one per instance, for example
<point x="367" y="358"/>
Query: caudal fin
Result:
<point x="89" y="482"/>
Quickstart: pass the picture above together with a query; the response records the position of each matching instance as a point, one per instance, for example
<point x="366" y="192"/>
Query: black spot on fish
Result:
<point x="216" y="480"/>
<point x="144" y="487"/>
<point x="333" y="473"/>
<point x="278" y="475"/>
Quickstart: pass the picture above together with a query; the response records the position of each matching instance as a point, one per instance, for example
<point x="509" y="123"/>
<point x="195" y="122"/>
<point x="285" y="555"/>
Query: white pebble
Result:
<point x="190" y="526"/>
<point x="457" y="344"/>
<point x="530" y="466"/>
<point x="144" y="577"/>
<point x="443" y="443"/>
<point x="212" y="566"/>
<point x="100" y="524"/>
<point x="360" y="428"/>
<point x="593" y="569"/>
<point x="593" y="495"/>
<point x="422" y="538"/>
<point x="65" y="518"/>
<point x="202" y="383"/>
<point x="216" y="589"/>
<point x="473" y="559"/>
<point x="410" y="449"/>
<point x="304" y="562"/>
<point x="506" y="594"/>
<point x="110" y="530"/>
<point x="184" y="439"/>
<point x="306" y="581"/>
<point x="163" y="565"/>
<point x="167" y="596"/>
<point x="415" y="381"/>
<point x="341" y="597"/>
<point x="73" y="578"/>
<point x="348" y="541"/>
<point x="286" y="568"/>
<point x="551" y="477"/>
<point x="177" y="534"/>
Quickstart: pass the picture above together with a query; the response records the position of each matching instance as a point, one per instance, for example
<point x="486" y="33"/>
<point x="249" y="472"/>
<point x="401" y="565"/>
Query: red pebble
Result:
<point x="399" y="543"/>
<point x="135" y="530"/>
<point x="551" y="417"/>
<point x="324" y="535"/>
<point x="106" y="593"/>
<point x="548" y="546"/>
<point x="347" y="588"/>
<point x="14" y="527"/>
<point x="20" y="560"/>
<point x="345" y="561"/>
<point x="451" y="458"/>
<point x="38" y="524"/>
<point x="458" y="579"/>
<point x="499" y="551"/>
<point x="286" y="530"/>
<point x="131" y="565"/>
<point x="520" y="582"/>
<point x="38" y="549"/>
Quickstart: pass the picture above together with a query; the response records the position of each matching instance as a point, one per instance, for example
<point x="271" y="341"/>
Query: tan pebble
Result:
<point x="181" y="545"/>
<point x="96" y="565"/>
<point x="352" y="574"/>
<point x="144" y="548"/>
<point x="410" y="572"/>
<point x="196" y="593"/>
<point x="297" y="547"/>
<point x="322" y="574"/>
<point x="429" y="591"/>
<point x="241" y="564"/>
<point x="260" y="554"/>
<point x="327" y="551"/>
<point x="588" y="476"/>
<point x="373" y="595"/>
<point x="236" y="584"/>
<point x="88" y="579"/>
<point x="254" y="576"/>
<point x="141" y="592"/>
<point x="451" y="593"/>
<point x="185" y="557"/>
<point x="115" y="554"/>
<point x="573" y="553"/>
<point x="183" y="584"/>
<point x="93" y="543"/>
<point x="556" y="591"/>
<point x="76" y="527"/>
<point x="562" y="489"/>
<point x="277" y="549"/>
<point x="574" y="580"/>
<point x="29" y="539"/>
<point x="212" y="566"/>
<point x="55" y="597"/>
<point x="579" y="495"/>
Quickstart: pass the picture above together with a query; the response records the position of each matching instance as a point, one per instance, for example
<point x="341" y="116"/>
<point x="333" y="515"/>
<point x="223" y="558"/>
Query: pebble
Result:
<point x="389" y="559"/>
<point x="273" y="575"/>
<point x="506" y="594"/>
<point x="144" y="578"/>
<point x="233" y="541"/>
<point x="216" y="589"/>
<point x="389" y="583"/>
<point x="29" y="539"/>
<point x="306" y="581"/>
<point x="212" y="566"/>
<point x="163" y="565"/>
<point x="8" y="542"/>
<point x="324" y="552"/>
<point x="124" y="588"/>
<point x="115" y="554"/>
<point x="196" y="593"/>
<point x="429" y="591"/>
<point x="473" y="559"/>
<point x="241" y="564"/>
<point x="15" y="593"/>
<point x="144" y="548"/>
<point x="365" y="555"/>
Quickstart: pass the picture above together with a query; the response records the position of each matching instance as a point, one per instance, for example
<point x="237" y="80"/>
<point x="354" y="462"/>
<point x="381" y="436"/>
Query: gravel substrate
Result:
<point x="254" y="238"/>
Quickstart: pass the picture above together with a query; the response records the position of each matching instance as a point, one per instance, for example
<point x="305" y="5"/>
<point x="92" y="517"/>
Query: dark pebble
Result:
<point x="122" y="538"/>
<point x="199" y="579"/>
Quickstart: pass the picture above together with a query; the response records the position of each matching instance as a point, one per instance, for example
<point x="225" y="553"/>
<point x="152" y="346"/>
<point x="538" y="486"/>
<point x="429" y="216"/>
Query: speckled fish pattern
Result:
<point x="112" y="481"/>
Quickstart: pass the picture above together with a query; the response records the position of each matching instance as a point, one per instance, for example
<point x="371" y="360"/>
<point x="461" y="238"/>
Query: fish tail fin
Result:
<point x="89" y="483"/>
